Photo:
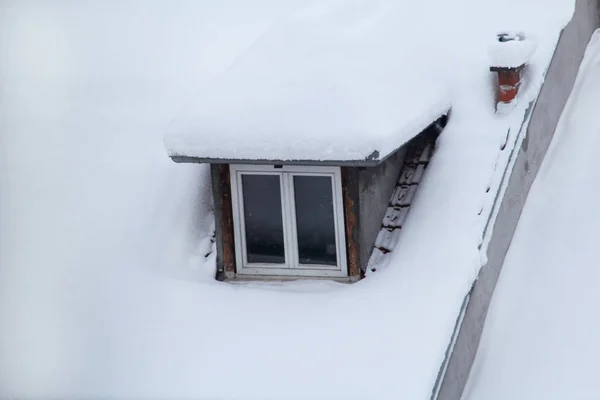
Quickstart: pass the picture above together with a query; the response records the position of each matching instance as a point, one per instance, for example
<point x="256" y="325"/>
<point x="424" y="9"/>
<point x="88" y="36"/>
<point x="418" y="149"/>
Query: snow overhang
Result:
<point x="371" y="160"/>
<point x="313" y="89"/>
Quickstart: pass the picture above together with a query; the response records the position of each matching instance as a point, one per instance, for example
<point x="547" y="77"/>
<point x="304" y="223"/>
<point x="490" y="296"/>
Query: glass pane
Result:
<point x="262" y="217"/>
<point x="315" y="221"/>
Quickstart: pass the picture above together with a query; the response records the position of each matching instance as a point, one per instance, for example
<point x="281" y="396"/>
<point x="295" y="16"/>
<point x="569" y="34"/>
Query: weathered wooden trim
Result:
<point x="351" y="223"/>
<point x="228" y="241"/>
<point x="215" y="177"/>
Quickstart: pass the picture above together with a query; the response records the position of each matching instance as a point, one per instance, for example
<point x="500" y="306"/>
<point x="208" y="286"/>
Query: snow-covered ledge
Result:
<point x="531" y="143"/>
<point x="509" y="54"/>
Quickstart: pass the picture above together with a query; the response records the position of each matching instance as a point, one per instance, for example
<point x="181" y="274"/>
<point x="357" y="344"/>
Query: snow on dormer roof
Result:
<point x="343" y="81"/>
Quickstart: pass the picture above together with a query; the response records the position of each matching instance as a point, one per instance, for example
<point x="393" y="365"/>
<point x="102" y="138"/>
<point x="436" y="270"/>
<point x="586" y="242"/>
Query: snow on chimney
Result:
<point x="509" y="54"/>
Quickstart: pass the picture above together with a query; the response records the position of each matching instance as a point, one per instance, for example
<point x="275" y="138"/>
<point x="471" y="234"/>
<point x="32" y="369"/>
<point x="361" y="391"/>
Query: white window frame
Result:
<point x="291" y="267"/>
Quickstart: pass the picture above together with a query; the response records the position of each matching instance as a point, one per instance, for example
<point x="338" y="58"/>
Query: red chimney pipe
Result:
<point x="509" y="81"/>
<point x="509" y="53"/>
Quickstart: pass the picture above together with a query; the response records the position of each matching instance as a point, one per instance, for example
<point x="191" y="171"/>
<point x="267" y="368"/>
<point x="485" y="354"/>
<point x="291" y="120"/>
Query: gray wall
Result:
<point x="376" y="185"/>
<point x="559" y="82"/>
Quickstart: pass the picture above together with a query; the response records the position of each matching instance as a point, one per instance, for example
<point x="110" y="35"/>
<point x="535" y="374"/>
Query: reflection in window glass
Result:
<point x="262" y="218"/>
<point x="315" y="220"/>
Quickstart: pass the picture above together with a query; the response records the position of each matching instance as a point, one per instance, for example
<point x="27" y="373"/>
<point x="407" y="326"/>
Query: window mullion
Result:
<point x="338" y="210"/>
<point x="242" y="224"/>
<point x="238" y="218"/>
<point x="290" y="224"/>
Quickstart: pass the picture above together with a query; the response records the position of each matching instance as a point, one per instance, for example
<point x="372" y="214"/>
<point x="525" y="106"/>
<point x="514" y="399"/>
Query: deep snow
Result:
<point x="514" y="52"/>
<point x="97" y="226"/>
<point x="340" y="80"/>
<point x="541" y="334"/>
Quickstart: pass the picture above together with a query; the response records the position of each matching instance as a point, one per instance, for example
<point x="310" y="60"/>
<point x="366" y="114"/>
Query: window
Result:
<point x="288" y="220"/>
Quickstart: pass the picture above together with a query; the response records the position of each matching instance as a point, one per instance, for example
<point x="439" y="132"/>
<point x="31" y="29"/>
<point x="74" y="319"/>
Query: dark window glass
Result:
<point x="263" y="221"/>
<point x="315" y="221"/>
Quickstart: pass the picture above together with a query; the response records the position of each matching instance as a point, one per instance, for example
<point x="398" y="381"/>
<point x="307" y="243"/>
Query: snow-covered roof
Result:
<point x="334" y="81"/>
<point x="538" y="340"/>
<point x="87" y="91"/>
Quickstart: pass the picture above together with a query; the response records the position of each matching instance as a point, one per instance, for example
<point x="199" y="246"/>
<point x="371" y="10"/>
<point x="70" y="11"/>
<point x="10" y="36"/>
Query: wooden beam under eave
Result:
<point x="351" y="223"/>
<point x="228" y="240"/>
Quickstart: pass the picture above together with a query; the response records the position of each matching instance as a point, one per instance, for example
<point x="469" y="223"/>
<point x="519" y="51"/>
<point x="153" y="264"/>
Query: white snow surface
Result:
<point x="105" y="290"/>
<point x="512" y="54"/>
<point x="338" y="80"/>
<point x="541" y="334"/>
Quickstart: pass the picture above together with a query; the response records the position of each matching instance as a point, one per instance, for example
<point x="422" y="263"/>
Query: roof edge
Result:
<point x="337" y="163"/>
<point x="371" y="160"/>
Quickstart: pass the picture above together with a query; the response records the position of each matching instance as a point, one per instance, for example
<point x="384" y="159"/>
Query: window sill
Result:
<point x="288" y="278"/>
